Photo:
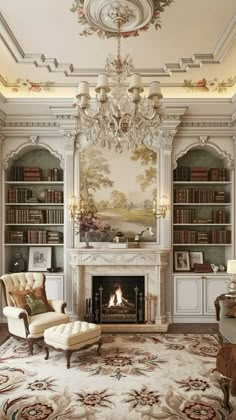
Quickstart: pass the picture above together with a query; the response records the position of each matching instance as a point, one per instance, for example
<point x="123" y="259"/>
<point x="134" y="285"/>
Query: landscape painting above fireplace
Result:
<point x="120" y="189"/>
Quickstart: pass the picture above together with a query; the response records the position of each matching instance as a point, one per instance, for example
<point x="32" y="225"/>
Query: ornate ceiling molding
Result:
<point x="225" y="42"/>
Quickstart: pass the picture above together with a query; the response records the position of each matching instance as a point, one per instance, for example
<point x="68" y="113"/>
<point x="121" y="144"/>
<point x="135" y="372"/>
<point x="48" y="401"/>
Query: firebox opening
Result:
<point x="118" y="299"/>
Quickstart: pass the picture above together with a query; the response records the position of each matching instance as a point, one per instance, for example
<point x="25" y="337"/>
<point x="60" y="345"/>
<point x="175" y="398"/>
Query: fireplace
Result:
<point x="128" y="266"/>
<point x="118" y="299"/>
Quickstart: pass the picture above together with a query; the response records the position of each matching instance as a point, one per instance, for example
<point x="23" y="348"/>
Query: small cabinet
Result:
<point x="187" y="295"/>
<point x="194" y="296"/>
<point x="213" y="287"/>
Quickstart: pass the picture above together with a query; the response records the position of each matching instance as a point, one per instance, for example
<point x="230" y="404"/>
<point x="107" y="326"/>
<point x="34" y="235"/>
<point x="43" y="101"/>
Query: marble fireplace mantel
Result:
<point x="149" y="262"/>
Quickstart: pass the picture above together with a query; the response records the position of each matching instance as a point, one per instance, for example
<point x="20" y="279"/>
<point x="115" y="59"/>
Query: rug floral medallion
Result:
<point x="159" y="376"/>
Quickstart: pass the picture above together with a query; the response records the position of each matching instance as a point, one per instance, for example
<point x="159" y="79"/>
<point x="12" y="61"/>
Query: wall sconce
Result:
<point x="161" y="212"/>
<point x="231" y="269"/>
<point x="76" y="207"/>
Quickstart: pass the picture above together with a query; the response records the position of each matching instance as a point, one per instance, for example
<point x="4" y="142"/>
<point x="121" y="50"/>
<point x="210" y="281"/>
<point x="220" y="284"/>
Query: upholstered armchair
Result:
<point x="225" y="306"/>
<point x="29" y="313"/>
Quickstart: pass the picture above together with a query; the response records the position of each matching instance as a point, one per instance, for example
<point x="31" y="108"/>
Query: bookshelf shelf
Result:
<point x="34" y="182"/>
<point x="34" y="224"/>
<point x="202" y="182"/>
<point x="29" y="244"/>
<point x="36" y="204"/>
<point x="202" y="224"/>
<point x="202" y="204"/>
<point x="197" y="245"/>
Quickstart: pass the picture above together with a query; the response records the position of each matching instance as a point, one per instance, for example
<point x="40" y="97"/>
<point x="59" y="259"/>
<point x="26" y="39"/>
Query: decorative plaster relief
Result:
<point x="203" y="141"/>
<point x="118" y="259"/>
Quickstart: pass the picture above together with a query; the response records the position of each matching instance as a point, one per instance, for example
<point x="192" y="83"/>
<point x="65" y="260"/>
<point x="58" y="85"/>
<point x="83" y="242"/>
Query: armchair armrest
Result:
<point x="58" y="305"/>
<point x="13" y="312"/>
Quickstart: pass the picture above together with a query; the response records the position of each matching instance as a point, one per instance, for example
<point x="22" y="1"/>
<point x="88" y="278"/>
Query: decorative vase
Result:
<point x="86" y="238"/>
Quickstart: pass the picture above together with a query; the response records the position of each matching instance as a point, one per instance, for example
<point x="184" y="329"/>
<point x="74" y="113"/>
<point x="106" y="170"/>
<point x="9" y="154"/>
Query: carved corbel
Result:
<point x="203" y="140"/>
<point x="34" y="140"/>
<point x="69" y="138"/>
<point x="163" y="141"/>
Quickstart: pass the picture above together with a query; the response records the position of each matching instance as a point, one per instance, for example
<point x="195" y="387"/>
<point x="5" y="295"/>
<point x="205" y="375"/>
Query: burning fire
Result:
<point x="117" y="298"/>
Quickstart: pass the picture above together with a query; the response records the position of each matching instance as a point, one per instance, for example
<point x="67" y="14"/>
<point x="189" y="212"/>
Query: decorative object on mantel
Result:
<point x="138" y="236"/>
<point x="119" y="241"/>
<point x="85" y="221"/>
<point x="120" y="119"/>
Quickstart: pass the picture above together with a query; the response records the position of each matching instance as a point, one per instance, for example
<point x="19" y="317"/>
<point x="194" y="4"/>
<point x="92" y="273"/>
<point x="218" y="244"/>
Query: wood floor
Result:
<point x="173" y="329"/>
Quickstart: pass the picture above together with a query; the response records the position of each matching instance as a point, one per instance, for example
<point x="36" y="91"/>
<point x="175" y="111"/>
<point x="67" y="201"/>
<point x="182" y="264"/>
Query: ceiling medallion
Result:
<point x="98" y="16"/>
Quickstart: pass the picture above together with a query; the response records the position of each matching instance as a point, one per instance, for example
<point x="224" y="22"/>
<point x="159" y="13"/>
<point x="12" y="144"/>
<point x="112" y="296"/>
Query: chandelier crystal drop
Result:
<point x="119" y="118"/>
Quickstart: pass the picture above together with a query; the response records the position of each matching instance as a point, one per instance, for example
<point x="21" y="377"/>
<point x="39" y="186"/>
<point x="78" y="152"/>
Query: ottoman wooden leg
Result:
<point x="46" y="349"/>
<point x="225" y="385"/>
<point x="68" y="354"/>
<point x="99" y="345"/>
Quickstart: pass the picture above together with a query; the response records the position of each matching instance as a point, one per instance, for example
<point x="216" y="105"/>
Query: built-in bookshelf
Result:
<point x="34" y="206"/>
<point x="202" y="206"/>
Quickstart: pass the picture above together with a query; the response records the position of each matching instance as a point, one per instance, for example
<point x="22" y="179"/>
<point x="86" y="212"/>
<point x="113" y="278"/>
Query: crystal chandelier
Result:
<point x="117" y="118"/>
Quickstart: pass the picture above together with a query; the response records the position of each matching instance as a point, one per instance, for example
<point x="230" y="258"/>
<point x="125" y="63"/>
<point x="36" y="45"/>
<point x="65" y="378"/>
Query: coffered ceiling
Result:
<point x="43" y="55"/>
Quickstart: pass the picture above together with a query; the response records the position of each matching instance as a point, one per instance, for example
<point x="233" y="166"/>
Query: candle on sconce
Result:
<point x="154" y="206"/>
<point x="82" y="206"/>
<point x="164" y="201"/>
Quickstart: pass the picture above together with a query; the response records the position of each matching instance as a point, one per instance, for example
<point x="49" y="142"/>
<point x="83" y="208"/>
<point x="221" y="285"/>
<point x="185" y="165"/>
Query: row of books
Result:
<point x="33" y="236"/>
<point x="34" y="173"/>
<point x="55" y="174"/>
<point x="54" y="237"/>
<point x="53" y="196"/>
<point x="215" y="236"/>
<point x="19" y="195"/>
<point x="25" y="216"/>
<point x="200" y="173"/>
<point x="183" y="215"/>
<point x="191" y="195"/>
<point x="24" y="195"/>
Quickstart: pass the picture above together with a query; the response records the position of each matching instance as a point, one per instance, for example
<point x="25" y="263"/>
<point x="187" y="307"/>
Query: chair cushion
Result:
<point x="232" y="310"/>
<point x="227" y="327"/>
<point x="74" y="334"/>
<point x="38" y="323"/>
<point x="34" y="301"/>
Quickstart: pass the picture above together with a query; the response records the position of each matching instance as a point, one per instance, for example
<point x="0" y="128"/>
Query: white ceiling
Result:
<point x="40" y="42"/>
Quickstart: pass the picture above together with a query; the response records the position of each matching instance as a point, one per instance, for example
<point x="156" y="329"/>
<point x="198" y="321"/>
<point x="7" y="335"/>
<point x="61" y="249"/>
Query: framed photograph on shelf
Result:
<point x="196" y="257"/>
<point x="40" y="258"/>
<point x="181" y="261"/>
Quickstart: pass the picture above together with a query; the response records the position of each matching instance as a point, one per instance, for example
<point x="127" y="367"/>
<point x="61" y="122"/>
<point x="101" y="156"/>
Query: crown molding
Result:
<point x="39" y="101"/>
<point x="52" y="65"/>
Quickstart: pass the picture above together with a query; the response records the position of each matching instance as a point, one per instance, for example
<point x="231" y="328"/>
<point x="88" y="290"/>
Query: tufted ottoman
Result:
<point x="72" y="337"/>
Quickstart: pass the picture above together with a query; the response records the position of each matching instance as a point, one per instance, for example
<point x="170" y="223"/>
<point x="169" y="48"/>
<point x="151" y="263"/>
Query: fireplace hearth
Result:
<point x="118" y="299"/>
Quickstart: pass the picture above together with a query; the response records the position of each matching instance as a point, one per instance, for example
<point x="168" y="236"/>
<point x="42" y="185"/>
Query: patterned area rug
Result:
<point x="159" y="376"/>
